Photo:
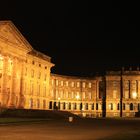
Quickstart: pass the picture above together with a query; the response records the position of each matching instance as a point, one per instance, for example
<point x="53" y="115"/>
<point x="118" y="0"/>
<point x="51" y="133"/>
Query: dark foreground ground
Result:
<point x="80" y="129"/>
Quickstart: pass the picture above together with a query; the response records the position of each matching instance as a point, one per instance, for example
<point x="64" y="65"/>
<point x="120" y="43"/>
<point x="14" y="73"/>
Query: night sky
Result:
<point x="82" y="38"/>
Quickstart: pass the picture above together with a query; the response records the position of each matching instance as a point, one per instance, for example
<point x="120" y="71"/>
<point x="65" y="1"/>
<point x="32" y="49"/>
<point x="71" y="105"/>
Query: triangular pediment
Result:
<point x="9" y="33"/>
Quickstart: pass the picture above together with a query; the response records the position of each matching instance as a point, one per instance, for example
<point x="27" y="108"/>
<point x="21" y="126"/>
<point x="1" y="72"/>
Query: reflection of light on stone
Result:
<point x="77" y="97"/>
<point x="1" y="58"/>
<point x="59" y="98"/>
<point x="109" y="106"/>
<point x="134" y="94"/>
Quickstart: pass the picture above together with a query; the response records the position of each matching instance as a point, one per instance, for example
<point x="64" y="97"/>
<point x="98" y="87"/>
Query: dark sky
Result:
<point x="82" y="38"/>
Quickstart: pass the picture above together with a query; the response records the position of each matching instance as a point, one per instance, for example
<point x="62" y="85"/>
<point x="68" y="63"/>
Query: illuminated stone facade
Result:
<point x="24" y="72"/>
<point x="26" y="82"/>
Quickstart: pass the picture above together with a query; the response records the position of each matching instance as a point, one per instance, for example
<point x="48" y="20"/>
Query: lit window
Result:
<point x="84" y="95"/>
<point x="72" y="84"/>
<point x="84" y="85"/>
<point x="61" y="83"/>
<point x="114" y="94"/>
<point x="90" y="96"/>
<point x="110" y="106"/>
<point x="89" y="85"/>
<point x="56" y="82"/>
<point x="67" y="94"/>
<point x="72" y="94"/>
<point x="78" y="84"/>
<point x="67" y="83"/>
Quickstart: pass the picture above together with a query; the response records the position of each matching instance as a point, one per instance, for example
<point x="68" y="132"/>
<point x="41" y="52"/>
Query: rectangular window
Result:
<point x="84" y="95"/>
<point x="72" y="94"/>
<point x="67" y="83"/>
<point x="84" y="85"/>
<point x="62" y="83"/>
<point x="56" y="82"/>
<point x="89" y="85"/>
<point x="72" y="84"/>
<point x="78" y="84"/>
<point x="114" y="94"/>
<point x="90" y="96"/>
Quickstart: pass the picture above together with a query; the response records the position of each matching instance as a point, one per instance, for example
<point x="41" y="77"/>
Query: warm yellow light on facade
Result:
<point x="1" y="57"/>
<point x="59" y="98"/>
<point x="134" y="94"/>
<point x="77" y="97"/>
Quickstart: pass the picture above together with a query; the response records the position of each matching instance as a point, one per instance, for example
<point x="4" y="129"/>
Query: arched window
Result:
<point x="44" y="104"/>
<point x="55" y="106"/>
<point x="110" y="106"/>
<point x="86" y="106"/>
<point x="50" y="105"/>
<point x="96" y="106"/>
<point x="64" y="105"/>
<point x="75" y="106"/>
<point x="118" y="106"/>
<point x="81" y="106"/>
<point x="131" y="106"/>
<point x="69" y="106"/>
<point x="123" y="106"/>
<point x="31" y="103"/>
<point x="92" y="106"/>
<point x="38" y="103"/>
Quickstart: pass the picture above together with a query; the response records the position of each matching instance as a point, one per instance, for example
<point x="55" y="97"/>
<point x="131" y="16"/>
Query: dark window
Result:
<point x="131" y="106"/>
<point x="96" y="106"/>
<point x="93" y="106"/>
<point x="86" y="106"/>
<point x="64" y="105"/>
<point x="69" y="106"/>
<point x="123" y="106"/>
<point x="118" y="106"/>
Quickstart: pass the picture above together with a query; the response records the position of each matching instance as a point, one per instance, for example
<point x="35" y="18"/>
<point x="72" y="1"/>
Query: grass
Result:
<point x="19" y="120"/>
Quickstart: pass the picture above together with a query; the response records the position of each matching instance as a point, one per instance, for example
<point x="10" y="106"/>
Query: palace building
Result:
<point x="26" y="82"/>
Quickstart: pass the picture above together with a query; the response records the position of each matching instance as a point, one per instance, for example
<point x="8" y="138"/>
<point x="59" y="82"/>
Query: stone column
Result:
<point x="66" y="106"/>
<point x="22" y="86"/>
<point x="78" y="106"/>
<point x="4" y="94"/>
<point x="12" y="99"/>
